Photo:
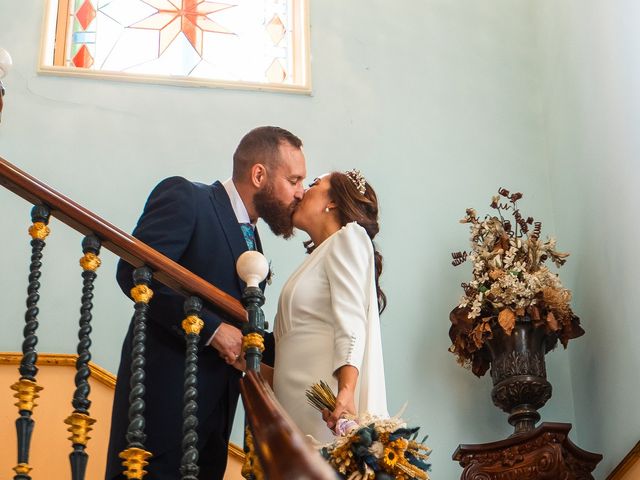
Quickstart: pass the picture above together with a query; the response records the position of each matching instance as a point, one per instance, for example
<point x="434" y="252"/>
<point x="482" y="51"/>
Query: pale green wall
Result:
<point x="590" y="59"/>
<point x="438" y="102"/>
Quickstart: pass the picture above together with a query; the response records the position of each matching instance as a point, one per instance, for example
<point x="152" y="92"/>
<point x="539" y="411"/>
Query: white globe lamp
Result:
<point x="252" y="268"/>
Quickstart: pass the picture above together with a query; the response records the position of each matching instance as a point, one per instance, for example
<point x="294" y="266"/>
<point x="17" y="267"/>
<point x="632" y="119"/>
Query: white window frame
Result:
<point x="301" y="41"/>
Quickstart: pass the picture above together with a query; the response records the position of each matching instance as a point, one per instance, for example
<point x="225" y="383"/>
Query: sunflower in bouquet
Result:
<point x="371" y="448"/>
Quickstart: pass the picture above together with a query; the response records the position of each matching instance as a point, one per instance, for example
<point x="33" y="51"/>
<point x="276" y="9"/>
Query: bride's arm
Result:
<point x="348" y="268"/>
<point x="347" y="376"/>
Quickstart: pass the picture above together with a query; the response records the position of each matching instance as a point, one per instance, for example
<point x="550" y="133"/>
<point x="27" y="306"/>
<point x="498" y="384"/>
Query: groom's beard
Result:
<point x="276" y="214"/>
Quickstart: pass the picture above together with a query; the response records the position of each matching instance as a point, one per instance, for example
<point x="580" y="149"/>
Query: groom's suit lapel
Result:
<point x="230" y="227"/>
<point x="258" y="241"/>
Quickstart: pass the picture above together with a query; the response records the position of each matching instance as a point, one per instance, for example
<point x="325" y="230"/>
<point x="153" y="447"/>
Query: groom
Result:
<point x="205" y="228"/>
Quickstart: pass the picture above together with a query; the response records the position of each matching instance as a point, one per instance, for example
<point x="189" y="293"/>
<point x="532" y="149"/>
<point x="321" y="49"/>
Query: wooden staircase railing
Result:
<point x="282" y="449"/>
<point x="279" y="446"/>
<point x="122" y="244"/>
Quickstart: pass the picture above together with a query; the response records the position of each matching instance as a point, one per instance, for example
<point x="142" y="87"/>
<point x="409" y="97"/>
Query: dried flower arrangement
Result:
<point x="510" y="281"/>
<point x="369" y="447"/>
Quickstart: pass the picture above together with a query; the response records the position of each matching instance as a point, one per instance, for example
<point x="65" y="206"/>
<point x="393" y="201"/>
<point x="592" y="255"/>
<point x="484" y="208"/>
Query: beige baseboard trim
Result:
<point x="63" y="360"/>
<point x="236" y="451"/>
<point x="631" y="459"/>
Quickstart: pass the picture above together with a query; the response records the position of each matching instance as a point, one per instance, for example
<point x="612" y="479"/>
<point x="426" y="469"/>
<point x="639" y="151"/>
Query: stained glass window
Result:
<point x="259" y="43"/>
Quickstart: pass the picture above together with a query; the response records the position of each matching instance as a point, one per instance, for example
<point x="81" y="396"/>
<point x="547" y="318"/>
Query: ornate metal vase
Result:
<point x="520" y="385"/>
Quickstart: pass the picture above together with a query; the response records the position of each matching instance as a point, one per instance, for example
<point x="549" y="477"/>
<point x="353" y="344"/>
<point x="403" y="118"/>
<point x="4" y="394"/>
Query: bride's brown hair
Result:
<point x="353" y="206"/>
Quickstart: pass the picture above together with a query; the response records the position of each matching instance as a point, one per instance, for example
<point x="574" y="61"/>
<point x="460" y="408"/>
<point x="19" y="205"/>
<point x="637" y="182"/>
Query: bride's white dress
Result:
<point x="328" y="317"/>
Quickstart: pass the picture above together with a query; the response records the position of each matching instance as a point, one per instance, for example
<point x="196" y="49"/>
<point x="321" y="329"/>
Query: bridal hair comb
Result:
<point x="357" y="179"/>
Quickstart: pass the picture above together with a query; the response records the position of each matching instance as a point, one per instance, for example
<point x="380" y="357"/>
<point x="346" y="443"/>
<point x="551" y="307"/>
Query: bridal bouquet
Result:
<point x="510" y="280"/>
<point x="371" y="448"/>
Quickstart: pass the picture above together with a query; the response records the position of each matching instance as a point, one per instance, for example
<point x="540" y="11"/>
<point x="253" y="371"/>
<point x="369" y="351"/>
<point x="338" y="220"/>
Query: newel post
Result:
<point x="252" y="268"/>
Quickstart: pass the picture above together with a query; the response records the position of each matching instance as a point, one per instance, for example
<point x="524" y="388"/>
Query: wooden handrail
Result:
<point x="128" y="248"/>
<point x="282" y="448"/>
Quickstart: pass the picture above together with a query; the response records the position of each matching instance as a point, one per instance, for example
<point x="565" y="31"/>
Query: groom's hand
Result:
<point x="228" y="342"/>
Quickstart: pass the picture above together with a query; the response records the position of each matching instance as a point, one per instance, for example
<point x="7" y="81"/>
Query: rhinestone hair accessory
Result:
<point x="357" y="179"/>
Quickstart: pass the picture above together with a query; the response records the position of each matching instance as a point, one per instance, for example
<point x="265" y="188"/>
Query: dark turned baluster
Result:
<point x="79" y="421"/>
<point x="192" y="325"/>
<point x="253" y="330"/>
<point x="26" y="388"/>
<point x="135" y="456"/>
<point x="252" y="268"/>
<point x="252" y="346"/>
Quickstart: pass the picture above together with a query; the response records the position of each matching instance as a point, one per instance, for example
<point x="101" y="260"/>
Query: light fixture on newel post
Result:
<point x="5" y="65"/>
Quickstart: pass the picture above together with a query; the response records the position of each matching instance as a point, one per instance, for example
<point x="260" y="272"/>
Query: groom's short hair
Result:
<point x="261" y="145"/>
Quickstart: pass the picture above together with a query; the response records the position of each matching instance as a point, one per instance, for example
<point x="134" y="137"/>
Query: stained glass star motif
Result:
<point x="191" y="17"/>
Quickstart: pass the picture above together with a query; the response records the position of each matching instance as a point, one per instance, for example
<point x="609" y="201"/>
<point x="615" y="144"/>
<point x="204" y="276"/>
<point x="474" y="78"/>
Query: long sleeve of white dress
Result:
<point x="354" y="306"/>
<point x="348" y="266"/>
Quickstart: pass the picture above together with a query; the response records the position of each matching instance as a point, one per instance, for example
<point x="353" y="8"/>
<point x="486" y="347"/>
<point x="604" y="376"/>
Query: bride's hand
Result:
<point x="347" y="376"/>
<point x="345" y="405"/>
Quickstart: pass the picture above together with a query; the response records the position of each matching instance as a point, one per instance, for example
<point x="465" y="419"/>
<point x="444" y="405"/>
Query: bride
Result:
<point x="327" y="326"/>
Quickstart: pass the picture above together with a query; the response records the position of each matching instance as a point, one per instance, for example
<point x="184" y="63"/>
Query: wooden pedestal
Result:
<point x="545" y="453"/>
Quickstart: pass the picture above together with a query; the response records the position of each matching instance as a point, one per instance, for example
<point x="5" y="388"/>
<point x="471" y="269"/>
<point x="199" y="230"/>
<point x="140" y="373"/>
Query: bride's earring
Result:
<point x="326" y="210"/>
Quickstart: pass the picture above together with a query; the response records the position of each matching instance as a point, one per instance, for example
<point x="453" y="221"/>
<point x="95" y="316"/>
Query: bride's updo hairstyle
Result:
<point x="356" y="201"/>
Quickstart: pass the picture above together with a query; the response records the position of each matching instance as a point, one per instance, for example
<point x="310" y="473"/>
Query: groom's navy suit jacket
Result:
<point x="194" y="225"/>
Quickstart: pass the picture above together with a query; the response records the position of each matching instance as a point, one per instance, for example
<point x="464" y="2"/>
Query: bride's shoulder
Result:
<point x="350" y="249"/>
<point x="354" y="229"/>
<point x="352" y="234"/>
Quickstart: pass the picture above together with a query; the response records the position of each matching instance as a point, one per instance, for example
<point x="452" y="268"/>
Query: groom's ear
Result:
<point x="258" y="175"/>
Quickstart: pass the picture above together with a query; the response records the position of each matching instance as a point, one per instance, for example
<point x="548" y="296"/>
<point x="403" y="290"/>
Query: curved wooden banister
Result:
<point x="282" y="448"/>
<point x="122" y="244"/>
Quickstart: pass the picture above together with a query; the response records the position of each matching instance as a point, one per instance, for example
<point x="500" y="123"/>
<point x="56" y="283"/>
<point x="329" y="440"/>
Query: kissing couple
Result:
<point x="327" y="325"/>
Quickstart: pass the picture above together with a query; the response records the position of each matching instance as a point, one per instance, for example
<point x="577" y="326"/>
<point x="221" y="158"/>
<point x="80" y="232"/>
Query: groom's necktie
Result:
<point x="249" y="235"/>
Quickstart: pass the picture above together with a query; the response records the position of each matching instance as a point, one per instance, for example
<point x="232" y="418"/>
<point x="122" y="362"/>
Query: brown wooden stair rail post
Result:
<point x="283" y="450"/>
<point x="80" y="421"/>
<point x="26" y="388"/>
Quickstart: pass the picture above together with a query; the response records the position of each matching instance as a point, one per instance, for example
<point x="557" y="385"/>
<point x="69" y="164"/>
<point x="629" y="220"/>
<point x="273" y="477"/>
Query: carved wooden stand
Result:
<point x="545" y="453"/>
